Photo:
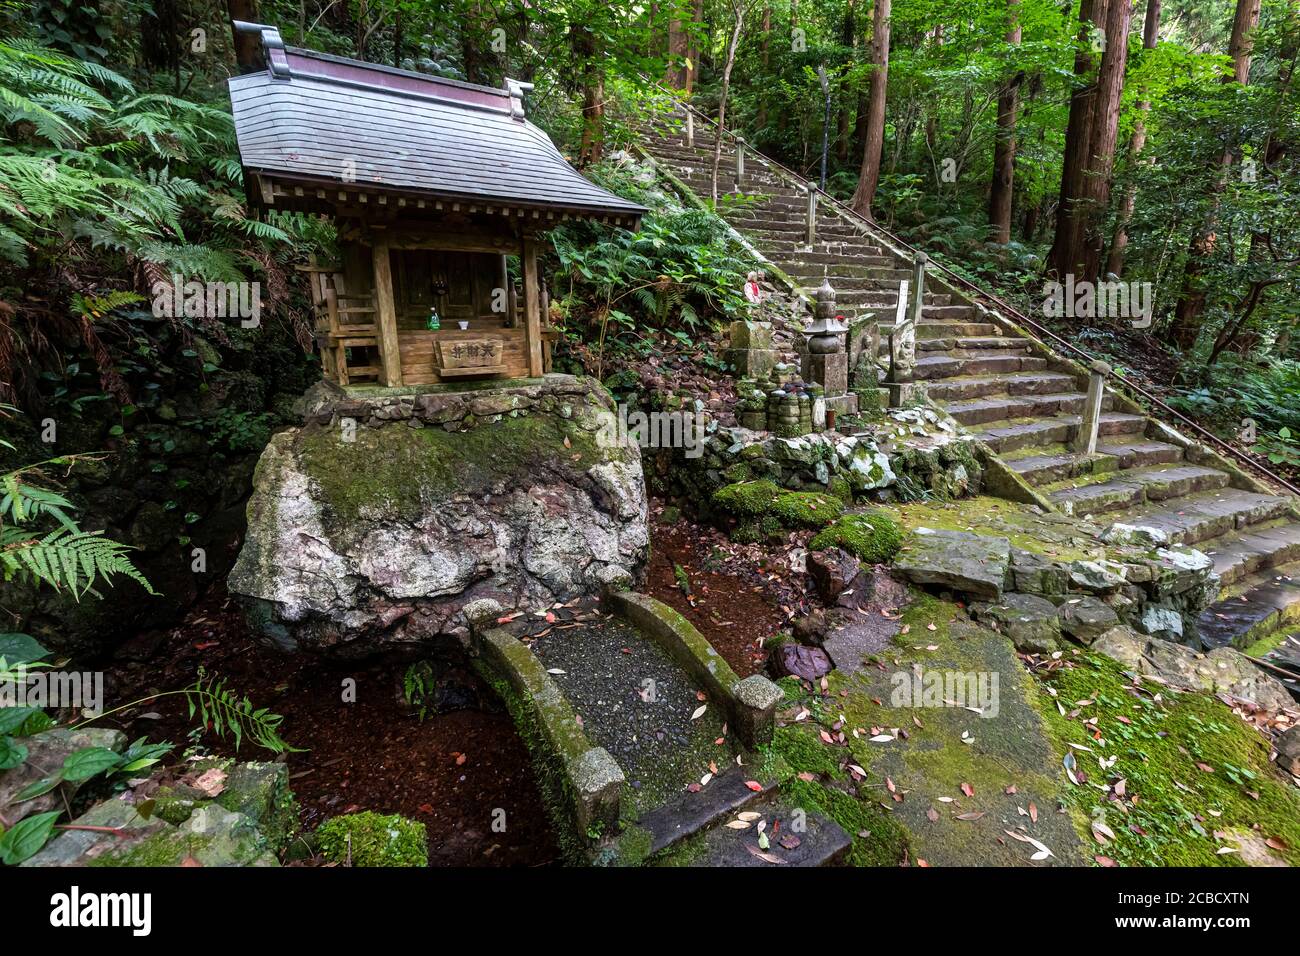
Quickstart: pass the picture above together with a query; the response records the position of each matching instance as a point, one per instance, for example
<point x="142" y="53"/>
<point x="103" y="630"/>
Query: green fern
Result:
<point x="23" y="502"/>
<point x="66" y="559"/>
<point x="224" y="713"/>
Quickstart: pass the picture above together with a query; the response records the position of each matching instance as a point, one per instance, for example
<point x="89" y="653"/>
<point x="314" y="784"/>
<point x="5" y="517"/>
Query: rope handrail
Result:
<point x="1043" y="332"/>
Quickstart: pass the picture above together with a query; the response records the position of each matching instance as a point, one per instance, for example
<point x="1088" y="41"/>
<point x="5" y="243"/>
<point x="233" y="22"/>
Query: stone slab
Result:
<point x="969" y="563"/>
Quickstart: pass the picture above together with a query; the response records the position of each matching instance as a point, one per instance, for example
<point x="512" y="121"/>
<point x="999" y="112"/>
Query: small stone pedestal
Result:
<point x="751" y="353"/>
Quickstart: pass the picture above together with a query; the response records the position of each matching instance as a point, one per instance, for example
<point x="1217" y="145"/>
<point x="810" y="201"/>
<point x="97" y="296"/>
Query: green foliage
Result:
<point x="370" y="839"/>
<point x="19" y="654"/>
<point x="237" y="432"/>
<point x="119" y="189"/>
<point x="64" y="558"/>
<point x="25" y="838"/>
<point x="225" y="713"/>
<point x="1252" y="403"/>
<point x="72" y="178"/>
<point x="418" y="686"/>
<point x="872" y="536"/>
<point x="681" y="272"/>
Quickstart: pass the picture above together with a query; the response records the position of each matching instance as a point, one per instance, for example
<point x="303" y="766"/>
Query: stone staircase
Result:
<point x="1022" y="400"/>
<point x="864" y="274"/>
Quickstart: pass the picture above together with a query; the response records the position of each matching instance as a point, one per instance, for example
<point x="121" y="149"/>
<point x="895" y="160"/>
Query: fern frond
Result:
<point x="66" y="559"/>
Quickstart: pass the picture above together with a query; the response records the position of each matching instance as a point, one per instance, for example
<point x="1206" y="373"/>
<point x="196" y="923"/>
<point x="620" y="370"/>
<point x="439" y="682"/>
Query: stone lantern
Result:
<point x="825" y="361"/>
<point x="824" y="334"/>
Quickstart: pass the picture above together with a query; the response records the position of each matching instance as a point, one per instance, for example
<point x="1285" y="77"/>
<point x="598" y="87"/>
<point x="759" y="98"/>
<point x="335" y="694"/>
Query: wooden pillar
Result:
<point x="811" y="224"/>
<point x="532" y="308"/>
<point x="1085" y="439"/>
<point x="386" y="317"/>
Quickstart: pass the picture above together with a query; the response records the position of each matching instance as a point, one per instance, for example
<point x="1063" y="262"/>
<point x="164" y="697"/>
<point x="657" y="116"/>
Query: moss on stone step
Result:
<point x="1196" y="768"/>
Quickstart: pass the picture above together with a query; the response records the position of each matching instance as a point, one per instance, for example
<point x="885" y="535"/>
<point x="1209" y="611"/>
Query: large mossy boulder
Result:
<point x="378" y="522"/>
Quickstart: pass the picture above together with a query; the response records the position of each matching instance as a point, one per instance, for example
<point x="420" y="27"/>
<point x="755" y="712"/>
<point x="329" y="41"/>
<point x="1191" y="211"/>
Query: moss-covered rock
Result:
<point x="806" y="509"/>
<point x="366" y="534"/>
<point x="871" y="536"/>
<point x="373" y="840"/>
<point x="746" y="498"/>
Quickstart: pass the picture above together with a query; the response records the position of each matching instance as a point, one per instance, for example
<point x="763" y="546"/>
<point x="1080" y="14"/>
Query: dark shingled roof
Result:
<point x="338" y="121"/>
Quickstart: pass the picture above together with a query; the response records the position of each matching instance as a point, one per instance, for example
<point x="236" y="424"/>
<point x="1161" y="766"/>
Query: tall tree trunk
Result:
<point x="160" y="37"/>
<point x="471" y="53"/>
<point x="692" y="48"/>
<point x="869" y="177"/>
<point x="1115" y="258"/>
<point x="585" y="45"/>
<point x="1090" y="143"/>
<point x="841" y="89"/>
<point x="1004" y="151"/>
<point x="766" y="56"/>
<point x="397" y="39"/>
<point x="678" y="46"/>
<point x="738" y="10"/>
<point x="932" y="113"/>
<point x="1191" y="300"/>
<point x="248" y="46"/>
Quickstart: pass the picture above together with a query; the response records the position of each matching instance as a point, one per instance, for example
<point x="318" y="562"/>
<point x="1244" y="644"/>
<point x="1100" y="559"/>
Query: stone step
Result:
<point x="940" y="344"/>
<point x="1206" y="514"/>
<point x="1012" y="437"/>
<point x="861" y="244"/>
<point x="822" y="842"/>
<point x="886" y="301"/>
<point x="946" y="327"/>
<point x="877" y="278"/>
<point x="1130" y="488"/>
<point x="945" y="366"/>
<point x="820" y="253"/>
<point x="1042" y="466"/>
<point x="885" y="296"/>
<point x="1137" y="451"/>
<point x="841" y="276"/>
<point x="956" y="313"/>
<point x="776" y="226"/>
<point x="689" y="813"/>
<point x="978" y="386"/>
<point x="1256" y="549"/>
<point x="995" y="408"/>
<point x="1266" y="600"/>
<point x="1050" y="431"/>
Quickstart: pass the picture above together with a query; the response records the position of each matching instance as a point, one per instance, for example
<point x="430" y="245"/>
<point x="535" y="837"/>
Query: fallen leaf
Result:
<point x="211" y="782"/>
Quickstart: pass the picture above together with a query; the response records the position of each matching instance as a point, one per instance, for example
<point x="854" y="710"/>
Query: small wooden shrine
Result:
<point x="435" y="186"/>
